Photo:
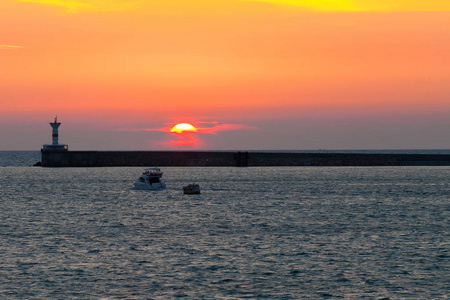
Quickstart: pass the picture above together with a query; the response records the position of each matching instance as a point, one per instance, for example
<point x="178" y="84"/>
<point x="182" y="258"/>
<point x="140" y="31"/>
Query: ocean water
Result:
<point x="253" y="233"/>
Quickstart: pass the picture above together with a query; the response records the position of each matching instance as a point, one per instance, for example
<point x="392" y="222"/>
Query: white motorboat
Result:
<point x="191" y="189"/>
<point x="150" y="180"/>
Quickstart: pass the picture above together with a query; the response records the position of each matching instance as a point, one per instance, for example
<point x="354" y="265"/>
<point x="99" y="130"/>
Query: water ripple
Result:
<point x="316" y="233"/>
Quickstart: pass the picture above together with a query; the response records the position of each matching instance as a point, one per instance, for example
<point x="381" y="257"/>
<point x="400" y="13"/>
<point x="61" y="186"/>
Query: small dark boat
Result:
<point x="191" y="189"/>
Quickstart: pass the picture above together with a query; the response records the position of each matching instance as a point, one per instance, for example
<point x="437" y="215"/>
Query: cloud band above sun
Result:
<point x="73" y="6"/>
<point x="10" y="47"/>
<point x="69" y="5"/>
<point x="186" y="127"/>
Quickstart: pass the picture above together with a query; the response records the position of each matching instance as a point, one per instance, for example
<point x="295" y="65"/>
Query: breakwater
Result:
<point x="237" y="159"/>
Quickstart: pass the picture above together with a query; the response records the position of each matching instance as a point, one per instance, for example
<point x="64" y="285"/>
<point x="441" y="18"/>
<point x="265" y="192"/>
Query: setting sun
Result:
<point x="181" y="127"/>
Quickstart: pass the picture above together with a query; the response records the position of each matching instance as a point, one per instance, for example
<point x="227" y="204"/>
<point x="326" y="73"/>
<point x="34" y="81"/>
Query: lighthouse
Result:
<point x="55" y="146"/>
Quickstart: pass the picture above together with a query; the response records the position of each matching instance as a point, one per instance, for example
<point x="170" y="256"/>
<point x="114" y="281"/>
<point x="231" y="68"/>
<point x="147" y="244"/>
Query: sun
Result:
<point x="181" y="127"/>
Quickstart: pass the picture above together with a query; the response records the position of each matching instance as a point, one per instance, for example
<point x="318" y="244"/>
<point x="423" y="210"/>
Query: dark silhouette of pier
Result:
<point x="233" y="159"/>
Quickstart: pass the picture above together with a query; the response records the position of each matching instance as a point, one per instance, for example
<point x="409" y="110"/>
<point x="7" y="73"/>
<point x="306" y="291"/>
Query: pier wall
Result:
<point x="228" y="159"/>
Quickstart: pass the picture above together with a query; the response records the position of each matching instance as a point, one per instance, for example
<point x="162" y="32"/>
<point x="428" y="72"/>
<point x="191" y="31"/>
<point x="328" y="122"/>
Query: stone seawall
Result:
<point x="236" y="159"/>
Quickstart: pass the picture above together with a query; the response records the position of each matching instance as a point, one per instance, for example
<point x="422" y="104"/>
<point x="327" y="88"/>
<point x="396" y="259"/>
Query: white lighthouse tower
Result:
<point x="55" y="146"/>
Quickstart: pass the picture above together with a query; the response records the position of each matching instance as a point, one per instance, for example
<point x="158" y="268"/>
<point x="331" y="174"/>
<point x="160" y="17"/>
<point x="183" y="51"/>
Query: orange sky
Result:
<point x="231" y="61"/>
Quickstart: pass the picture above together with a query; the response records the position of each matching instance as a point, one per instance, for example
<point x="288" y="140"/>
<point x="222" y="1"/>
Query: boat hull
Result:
<point x="191" y="190"/>
<point x="150" y="187"/>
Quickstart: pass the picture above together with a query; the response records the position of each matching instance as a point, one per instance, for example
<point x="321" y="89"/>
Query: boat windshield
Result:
<point x="153" y="180"/>
<point x="152" y="171"/>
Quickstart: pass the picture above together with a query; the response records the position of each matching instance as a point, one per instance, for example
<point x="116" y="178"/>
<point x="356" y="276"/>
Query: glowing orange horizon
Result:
<point x="268" y="64"/>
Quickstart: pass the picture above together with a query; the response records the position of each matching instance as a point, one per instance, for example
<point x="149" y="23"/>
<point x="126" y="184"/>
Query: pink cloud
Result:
<point x="180" y="140"/>
<point x="224" y="127"/>
<point x="192" y="139"/>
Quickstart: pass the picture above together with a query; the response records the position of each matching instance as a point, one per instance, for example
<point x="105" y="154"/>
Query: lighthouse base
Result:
<point x="57" y="147"/>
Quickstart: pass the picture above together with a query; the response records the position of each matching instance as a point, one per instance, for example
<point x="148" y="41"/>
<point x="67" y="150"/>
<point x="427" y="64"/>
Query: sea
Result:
<point x="253" y="233"/>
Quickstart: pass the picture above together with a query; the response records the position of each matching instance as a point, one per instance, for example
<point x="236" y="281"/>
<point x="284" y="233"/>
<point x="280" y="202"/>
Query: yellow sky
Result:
<point x="366" y="5"/>
<point x="196" y="5"/>
<point x="203" y="55"/>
